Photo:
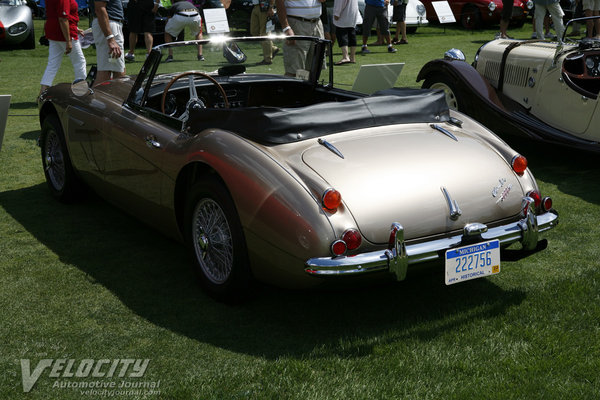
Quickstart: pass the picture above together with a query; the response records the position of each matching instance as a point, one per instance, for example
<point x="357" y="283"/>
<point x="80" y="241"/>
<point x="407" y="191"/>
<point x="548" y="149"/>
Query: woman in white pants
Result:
<point x="62" y="34"/>
<point x="553" y="7"/>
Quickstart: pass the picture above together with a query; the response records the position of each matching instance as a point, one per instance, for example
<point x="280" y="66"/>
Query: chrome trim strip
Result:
<point x="444" y="131"/>
<point x="330" y="147"/>
<point x="455" y="210"/>
<point x="397" y="259"/>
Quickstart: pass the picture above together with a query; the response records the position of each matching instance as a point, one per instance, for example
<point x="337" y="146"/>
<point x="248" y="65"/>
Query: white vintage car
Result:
<point x="545" y="90"/>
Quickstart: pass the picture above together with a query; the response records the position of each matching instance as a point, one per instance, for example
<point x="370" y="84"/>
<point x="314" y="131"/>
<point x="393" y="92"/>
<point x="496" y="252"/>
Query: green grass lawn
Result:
<point x="87" y="281"/>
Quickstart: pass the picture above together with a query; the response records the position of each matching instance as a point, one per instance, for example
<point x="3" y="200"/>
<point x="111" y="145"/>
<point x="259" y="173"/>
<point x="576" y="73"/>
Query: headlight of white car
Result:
<point x="17" y="28"/>
<point x="492" y="6"/>
<point x="529" y="4"/>
<point x="421" y="9"/>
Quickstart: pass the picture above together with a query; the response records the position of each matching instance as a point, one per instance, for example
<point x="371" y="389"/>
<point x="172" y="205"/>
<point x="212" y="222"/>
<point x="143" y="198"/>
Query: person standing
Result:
<point x="345" y="18"/>
<point x="183" y="14"/>
<point x="107" y="28"/>
<point x="592" y="8"/>
<point x="140" y="20"/>
<point x="399" y="17"/>
<point x="261" y="12"/>
<point x="376" y="9"/>
<point x="62" y="33"/>
<point x="553" y="7"/>
<point x="507" y="9"/>
<point x="299" y="17"/>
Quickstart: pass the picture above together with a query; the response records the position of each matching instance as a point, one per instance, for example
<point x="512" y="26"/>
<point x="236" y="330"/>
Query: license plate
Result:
<point x="473" y="261"/>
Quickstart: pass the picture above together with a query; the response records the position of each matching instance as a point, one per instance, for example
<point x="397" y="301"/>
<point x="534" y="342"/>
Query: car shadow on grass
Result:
<point x="150" y="275"/>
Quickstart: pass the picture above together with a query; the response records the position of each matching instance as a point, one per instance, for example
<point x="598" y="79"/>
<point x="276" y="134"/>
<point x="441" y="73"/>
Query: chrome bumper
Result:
<point x="399" y="256"/>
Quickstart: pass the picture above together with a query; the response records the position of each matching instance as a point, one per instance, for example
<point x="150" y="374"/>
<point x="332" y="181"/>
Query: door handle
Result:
<point x="152" y="142"/>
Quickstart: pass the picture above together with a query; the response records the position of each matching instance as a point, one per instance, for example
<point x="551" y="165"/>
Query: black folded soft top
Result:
<point x="279" y="125"/>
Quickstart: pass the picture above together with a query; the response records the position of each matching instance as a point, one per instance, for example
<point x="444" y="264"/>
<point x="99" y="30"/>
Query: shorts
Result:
<point x="296" y="56"/>
<point x="102" y="50"/>
<point x="346" y="36"/>
<point x="593" y="5"/>
<point x="507" y="10"/>
<point x="375" y="13"/>
<point x="140" y="17"/>
<point x="179" y="22"/>
<point x="399" y="14"/>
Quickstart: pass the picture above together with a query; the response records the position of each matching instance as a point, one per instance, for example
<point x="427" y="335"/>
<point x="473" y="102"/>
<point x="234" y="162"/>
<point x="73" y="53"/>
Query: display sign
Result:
<point x="216" y="20"/>
<point x="443" y="11"/>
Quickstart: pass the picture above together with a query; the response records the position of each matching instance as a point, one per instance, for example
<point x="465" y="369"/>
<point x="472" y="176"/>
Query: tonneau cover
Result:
<point x="278" y="125"/>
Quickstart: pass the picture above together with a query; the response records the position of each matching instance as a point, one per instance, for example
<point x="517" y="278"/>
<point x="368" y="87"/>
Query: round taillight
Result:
<point x="537" y="198"/>
<point x="519" y="165"/>
<point x="338" y="247"/>
<point x="546" y="203"/>
<point x="352" y="239"/>
<point x="331" y="199"/>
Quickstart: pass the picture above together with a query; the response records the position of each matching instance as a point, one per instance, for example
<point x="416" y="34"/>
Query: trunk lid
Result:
<point x="390" y="176"/>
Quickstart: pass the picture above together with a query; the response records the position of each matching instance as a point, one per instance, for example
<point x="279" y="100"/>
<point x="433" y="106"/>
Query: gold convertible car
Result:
<point x="271" y="172"/>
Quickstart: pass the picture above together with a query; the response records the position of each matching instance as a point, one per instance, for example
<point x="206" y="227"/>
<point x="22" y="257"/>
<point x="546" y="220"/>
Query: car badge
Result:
<point x="504" y="193"/>
<point x="496" y="189"/>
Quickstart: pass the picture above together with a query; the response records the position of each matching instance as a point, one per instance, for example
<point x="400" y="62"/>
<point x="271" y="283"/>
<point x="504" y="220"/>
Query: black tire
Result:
<point x="470" y="18"/>
<point x="216" y="242"/>
<point x="29" y="43"/>
<point x="454" y="96"/>
<point x="60" y="176"/>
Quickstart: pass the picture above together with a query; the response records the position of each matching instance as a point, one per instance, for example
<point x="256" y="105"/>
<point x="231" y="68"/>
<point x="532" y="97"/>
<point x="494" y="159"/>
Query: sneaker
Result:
<point x="275" y="52"/>
<point x="129" y="57"/>
<point x="534" y="35"/>
<point x="264" y="62"/>
<point x="364" y="50"/>
<point x="392" y="50"/>
<point x="200" y="57"/>
<point x="169" y="59"/>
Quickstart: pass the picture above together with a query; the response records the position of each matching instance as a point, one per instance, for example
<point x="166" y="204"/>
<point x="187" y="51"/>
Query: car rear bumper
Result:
<point x="399" y="255"/>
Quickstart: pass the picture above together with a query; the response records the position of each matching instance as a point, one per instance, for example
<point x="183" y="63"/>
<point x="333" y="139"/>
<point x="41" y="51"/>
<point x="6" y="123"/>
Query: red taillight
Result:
<point x="331" y="199"/>
<point x="338" y="248"/>
<point x="537" y="198"/>
<point x="352" y="239"/>
<point x="519" y="165"/>
<point x="546" y="203"/>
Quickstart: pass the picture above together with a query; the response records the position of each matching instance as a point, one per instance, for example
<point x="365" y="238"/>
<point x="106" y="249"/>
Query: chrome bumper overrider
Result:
<point x="398" y="256"/>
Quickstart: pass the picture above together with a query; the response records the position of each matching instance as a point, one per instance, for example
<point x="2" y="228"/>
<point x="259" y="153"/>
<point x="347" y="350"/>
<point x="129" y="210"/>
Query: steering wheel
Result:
<point x="194" y="99"/>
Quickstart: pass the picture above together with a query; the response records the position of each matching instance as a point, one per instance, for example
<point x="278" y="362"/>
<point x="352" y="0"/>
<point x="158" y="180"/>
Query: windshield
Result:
<point x="302" y="59"/>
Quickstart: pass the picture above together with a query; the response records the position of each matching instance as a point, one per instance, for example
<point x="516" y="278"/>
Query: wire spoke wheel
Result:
<point x="212" y="241"/>
<point x="54" y="163"/>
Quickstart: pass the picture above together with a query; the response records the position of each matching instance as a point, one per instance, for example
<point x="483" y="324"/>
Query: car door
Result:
<point x="135" y="149"/>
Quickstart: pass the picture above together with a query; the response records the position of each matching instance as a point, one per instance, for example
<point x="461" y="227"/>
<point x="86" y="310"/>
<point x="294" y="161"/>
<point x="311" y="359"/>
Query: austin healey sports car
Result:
<point x="271" y="172"/>
<point x="542" y="90"/>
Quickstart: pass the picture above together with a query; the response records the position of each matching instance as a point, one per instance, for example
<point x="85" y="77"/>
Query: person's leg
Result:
<point x="557" y="18"/>
<point x="55" y="54"/>
<point x="403" y="31"/>
<point x="78" y="60"/>
<point x="597" y="24"/>
<point x="352" y="44"/>
<point x="368" y="19"/>
<point x="132" y="43"/>
<point x="149" y="41"/>
<point x="540" y="14"/>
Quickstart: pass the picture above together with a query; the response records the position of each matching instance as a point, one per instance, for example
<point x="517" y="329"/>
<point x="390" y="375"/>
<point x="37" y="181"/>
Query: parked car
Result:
<point x="542" y="90"/>
<point x="415" y="15"/>
<point x="16" y="24"/>
<point x="289" y="179"/>
<point x="472" y="14"/>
